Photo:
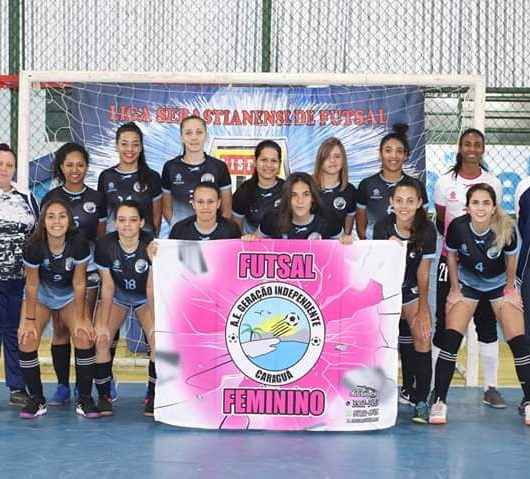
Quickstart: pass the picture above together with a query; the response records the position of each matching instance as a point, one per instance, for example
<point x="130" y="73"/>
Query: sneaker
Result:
<point x="421" y="413"/>
<point x="18" y="397"/>
<point x="105" y="406"/>
<point x="149" y="406"/>
<point x="406" y="396"/>
<point x="87" y="408"/>
<point x="527" y="413"/>
<point x="438" y="414"/>
<point x="61" y="396"/>
<point x="493" y="398"/>
<point x="33" y="408"/>
<point x="113" y="390"/>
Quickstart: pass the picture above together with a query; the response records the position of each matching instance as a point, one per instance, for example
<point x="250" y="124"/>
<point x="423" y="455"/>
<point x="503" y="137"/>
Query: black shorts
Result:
<point x="409" y="295"/>
<point x="476" y="295"/>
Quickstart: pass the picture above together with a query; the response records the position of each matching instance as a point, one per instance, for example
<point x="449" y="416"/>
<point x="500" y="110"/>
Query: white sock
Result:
<point x="489" y="356"/>
<point x="435" y="351"/>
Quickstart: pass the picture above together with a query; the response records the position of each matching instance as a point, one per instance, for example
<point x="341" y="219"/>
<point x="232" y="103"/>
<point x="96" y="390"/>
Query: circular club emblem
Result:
<point x="493" y="252"/>
<point x="314" y="236"/>
<point x="138" y="188"/>
<point x="339" y="203"/>
<point x="141" y="266"/>
<point x="69" y="264"/>
<point x="207" y="178"/>
<point x="90" y="207"/>
<point x="275" y="333"/>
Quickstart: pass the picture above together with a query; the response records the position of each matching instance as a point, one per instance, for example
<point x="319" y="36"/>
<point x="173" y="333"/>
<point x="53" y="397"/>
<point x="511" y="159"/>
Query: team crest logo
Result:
<point x="69" y="264"/>
<point x="178" y="179"/>
<point x="452" y="196"/>
<point x="207" y="178"/>
<point x="116" y="265"/>
<point x="339" y="203"/>
<point x="141" y="266"/>
<point x="138" y="188"/>
<point x="376" y="194"/>
<point x="493" y="252"/>
<point x="275" y="333"/>
<point x="277" y="203"/>
<point x="464" y="249"/>
<point x="89" y="207"/>
<point x="314" y="236"/>
<point x="412" y="254"/>
<point x="111" y="187"/>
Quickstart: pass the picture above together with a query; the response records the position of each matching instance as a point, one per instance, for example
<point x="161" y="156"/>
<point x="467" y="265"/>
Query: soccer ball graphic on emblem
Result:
<point x="292" y="319"/>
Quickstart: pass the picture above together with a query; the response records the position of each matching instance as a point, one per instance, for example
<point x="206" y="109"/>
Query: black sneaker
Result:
<point x="407" y="396"/>
<point x="18" y="398"/>
<point x="33" y="408"/>
<point x="105" y="406"/>
<point x="149" y="406"/>
<point x="87" y="408"/>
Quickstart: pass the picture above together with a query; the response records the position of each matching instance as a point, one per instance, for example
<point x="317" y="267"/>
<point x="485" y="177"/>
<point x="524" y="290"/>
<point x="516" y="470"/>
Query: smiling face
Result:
<point x="481" y="208"/>
<point x="56" y="221"/>
<point x="128" y="222"/>
<point x="268" y="164"/>
<point x="334" y="162"/>
<point x="74" y="168"/>
<point x="301" y="200"/>
<point x="471" y="148"/>
<point x="193" y="135"/>
<point x="405" y="201"/>
<point x="205" y="203"/>
<point x="129" y="146"/>
<point x="7" y="169"/>
<point x="393" y="155"/>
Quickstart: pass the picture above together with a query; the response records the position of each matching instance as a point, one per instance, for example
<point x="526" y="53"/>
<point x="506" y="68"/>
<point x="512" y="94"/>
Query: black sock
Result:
<point x="61" y="363"/>
<point x="151" y="379"/>
<point x="423" y="363"/>
<point x="85" y="360"/>
<point x="445" y="366"/>
<point x="102" y="378"/>
<point x="29" y="364"/>
<point x="406" y="353"/>
<point x="521" y="355"/>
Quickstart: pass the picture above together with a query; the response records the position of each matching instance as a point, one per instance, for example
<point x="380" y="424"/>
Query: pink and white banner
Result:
<point x="279" y="335"/>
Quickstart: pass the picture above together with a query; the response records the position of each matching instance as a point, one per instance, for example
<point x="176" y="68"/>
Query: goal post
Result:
<point x="452" y="103"/>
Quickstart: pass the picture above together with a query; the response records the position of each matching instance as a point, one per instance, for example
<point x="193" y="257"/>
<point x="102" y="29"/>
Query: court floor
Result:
<point x="479" y="442"/>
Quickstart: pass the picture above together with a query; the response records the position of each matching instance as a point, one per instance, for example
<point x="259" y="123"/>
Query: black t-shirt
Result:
<point x="386" y="228"/>
<point x="318" y="228"/>
<point x="118" y="186"/>
<point x="339" y="204"/>
<point x="57" y="270"/>
<point x="374" y="196"/>
<point x="478" y="258"/>
<point x="187" y="230"/>
<point x="87" y="207"/>
<point x="129" y="271"/>
<point x="180" y="179"/>
<point x="252" y="202"/>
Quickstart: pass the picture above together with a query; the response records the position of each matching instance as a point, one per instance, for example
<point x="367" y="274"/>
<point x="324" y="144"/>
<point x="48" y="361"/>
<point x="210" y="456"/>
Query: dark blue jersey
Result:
<point x="386" y="228"/>
<point x="180" y="179"/>
<point x="57" y="270"/>
<point x="481" y="265"/>
<point x="251" y="202"/>
<point x="129" y="271"/>
<point x="339" y="203"/>
<point x="188" y="230"/>
<point x="87" y="207"/>
<point x="318" y="227"/>
<point x="118" y="186"/>
<point x="374" y="196"/>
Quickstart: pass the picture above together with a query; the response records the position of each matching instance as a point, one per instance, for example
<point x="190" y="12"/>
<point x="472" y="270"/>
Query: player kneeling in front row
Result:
<point x="485" y="244"/>
<point x="126" y="283"/>
<point x="409" y="223"/>
<point x="56" y="258"/>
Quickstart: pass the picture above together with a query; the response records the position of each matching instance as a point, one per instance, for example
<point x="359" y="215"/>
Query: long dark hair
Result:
<point x="420" y="221"/>
<point x="40" y="235"/>
<point x="285" y="211"/>
<point x="324" y="150"/>
<point x="188" y="118"/>
<point x="60" y="157"/>
<point x="252" y="183"/>
<point x="143" y="169"/>
<point x="458" y="165"/>
<point x="399" y="133"/>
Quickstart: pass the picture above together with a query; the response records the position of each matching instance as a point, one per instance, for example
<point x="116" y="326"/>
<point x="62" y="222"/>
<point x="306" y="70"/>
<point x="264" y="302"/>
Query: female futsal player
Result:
<point x="56" y="259"/>
<point x="261" y="193"/>
<point x="89" y="214"/>
<point x="409" y="223"/>
<point x="338" y="196"/>
<point x="132" y="179"/>
<point x="126" y="283"/>
<point x="182" y="174"/>
<point x="481" y="249"/>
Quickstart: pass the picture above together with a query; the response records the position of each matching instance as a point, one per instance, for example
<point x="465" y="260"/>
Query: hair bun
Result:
<point x="400" y="128"/>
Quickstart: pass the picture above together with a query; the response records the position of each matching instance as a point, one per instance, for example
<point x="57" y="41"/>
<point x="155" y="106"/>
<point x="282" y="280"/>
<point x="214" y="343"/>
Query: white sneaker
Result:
<point x="438" y="413"/>
<point x="527" y="413"/>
